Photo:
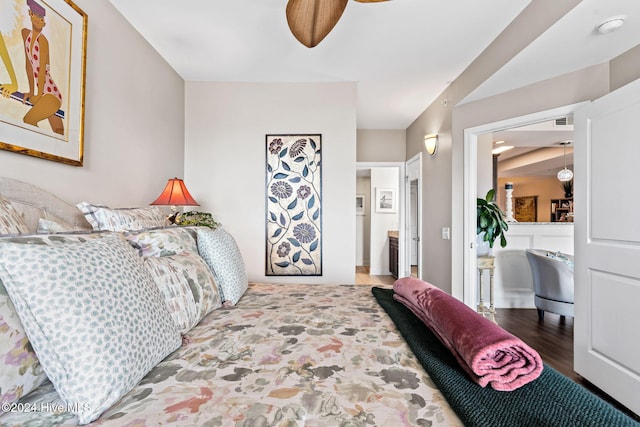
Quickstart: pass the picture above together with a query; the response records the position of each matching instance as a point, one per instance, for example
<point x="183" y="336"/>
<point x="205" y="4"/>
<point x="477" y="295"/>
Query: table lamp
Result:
<point x="175" y="194"/>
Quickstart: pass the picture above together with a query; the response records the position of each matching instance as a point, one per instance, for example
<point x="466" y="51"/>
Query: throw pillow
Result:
<point x="103" y="218"/>
<point x="11" y="222"/>
<point x="20" y="371"/>
<point x="95" y="318"/>
<point x="48" y="226"/>
<point x="187" y="285"/>
<point x="162" y="242"/>
<point x="221" y="253"/>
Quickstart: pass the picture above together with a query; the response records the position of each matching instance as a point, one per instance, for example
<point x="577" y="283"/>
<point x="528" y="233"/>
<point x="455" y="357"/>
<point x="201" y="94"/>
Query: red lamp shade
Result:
<point x="175" y="194"/>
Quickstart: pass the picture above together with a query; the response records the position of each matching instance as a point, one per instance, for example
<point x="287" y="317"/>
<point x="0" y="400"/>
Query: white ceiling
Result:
<point x="569" y="45"/>
<point x="401" y="53"/>
<point x="537" y="150"/>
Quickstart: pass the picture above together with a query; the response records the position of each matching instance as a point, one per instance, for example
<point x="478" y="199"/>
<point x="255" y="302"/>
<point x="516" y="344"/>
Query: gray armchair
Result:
<point x="552" y="281"/>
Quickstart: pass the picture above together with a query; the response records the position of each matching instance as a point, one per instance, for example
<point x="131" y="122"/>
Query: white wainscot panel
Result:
<point x="513" y="280"/>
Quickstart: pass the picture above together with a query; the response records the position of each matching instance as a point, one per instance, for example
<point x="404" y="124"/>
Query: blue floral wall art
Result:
<point x="294" y="205"/>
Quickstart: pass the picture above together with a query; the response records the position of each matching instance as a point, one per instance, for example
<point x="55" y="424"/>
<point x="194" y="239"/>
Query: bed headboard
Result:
<point x="34" y="203"/>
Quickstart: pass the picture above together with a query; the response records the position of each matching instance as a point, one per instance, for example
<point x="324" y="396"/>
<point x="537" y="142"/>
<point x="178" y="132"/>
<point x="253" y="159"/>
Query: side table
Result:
<point x="486" y="262"/>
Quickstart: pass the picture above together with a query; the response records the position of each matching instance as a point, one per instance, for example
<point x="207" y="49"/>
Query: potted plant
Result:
<point x="491" y="222"/>
<point x="196" y="218"/>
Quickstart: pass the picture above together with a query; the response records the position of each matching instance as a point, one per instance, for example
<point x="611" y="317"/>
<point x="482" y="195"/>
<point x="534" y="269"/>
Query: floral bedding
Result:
<point x="285" y="355"/>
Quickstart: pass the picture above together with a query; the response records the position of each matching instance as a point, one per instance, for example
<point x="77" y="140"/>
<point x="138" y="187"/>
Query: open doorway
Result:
<point x="522" y="164"/>
<point x="380" y="207"/>
<point x="473" y="142"/>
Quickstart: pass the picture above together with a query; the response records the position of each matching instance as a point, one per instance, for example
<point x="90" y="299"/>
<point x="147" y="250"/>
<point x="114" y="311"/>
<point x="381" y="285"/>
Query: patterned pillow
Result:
<point x="11" y="222"/>
<point x="104" y="218"/>
<point x="187" y="285"/>
<point x="48" y="226"/>
<point x="94" y="317"/>
<point x="20" y="371"/>
<point x="55" y="238"/>
<point x="221" y="253"/>
<point x="162" y="242"/>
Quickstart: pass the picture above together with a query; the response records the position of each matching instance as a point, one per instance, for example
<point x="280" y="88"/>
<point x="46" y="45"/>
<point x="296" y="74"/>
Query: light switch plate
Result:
<point x="446" y="233"/>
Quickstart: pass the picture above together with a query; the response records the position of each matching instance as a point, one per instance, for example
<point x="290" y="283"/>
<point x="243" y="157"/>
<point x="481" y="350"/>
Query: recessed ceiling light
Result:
<point x="499" y="142"/>
<point x="610" y="25"/>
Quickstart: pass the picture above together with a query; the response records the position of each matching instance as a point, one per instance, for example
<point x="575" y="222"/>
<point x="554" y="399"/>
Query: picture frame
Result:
<point x="525" y="208"/>
<point x="360" y="204"/>
<point x="386" y="201"/>
<point x="43" y="118"/>
<point x="293" y="200"/>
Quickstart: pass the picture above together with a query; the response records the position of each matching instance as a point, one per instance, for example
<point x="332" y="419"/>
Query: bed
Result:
<point x="308" y="355"/>
<point x="285" y="355"/>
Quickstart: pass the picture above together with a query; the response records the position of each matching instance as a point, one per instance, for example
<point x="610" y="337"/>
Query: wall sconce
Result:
<point x="431" y="143"/>
<point x="175" y="194"/>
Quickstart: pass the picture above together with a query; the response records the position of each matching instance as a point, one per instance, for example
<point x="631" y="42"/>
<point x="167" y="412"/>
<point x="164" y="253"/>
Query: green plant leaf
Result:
<point x="490" y="195"/>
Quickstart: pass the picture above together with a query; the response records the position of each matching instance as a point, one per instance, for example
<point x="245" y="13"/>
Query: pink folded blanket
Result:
<point x="488" y="353"/>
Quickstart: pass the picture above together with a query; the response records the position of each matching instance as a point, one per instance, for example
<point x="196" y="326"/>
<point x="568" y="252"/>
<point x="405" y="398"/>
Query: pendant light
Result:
<point x="565" y="174"/>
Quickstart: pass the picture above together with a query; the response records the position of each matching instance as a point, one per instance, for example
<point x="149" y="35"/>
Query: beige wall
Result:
<point x="381" y="145"/>
<point x="625" y="68"/>
<point x="484" y="179"/>
<point x="363" y="187"/>
<point x="442" y="174"/>
<point x="226" y="124"/>
<point x="134" y="121"/>
<point x="449" y="120"/>
<point x="545" y="187"/>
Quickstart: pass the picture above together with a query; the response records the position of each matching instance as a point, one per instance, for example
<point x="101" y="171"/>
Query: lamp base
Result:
<point x="172" y="218"/>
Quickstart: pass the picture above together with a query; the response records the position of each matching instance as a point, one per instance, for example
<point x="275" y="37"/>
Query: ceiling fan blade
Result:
<point x="311" y="20"/>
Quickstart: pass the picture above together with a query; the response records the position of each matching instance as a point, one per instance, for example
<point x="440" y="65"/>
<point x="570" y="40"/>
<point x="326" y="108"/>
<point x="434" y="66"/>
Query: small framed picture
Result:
<point x="526" y="208"/>
<point x="359" y="204"/>
<point x="386" y="200"/>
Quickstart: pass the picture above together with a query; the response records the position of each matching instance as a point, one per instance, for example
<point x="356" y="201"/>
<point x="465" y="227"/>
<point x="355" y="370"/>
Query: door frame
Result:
<point x="413" y="166"/>
<point x="401" y="205"/>
<point x="465" y="288"/>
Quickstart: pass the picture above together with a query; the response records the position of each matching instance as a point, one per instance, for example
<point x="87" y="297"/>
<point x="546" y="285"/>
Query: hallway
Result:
<point x="363" y="278"/>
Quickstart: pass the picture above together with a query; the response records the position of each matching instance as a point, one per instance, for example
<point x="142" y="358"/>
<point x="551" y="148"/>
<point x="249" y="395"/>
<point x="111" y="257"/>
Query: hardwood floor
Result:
<point x="551" y="338"/>
<point x="363" y="278"/>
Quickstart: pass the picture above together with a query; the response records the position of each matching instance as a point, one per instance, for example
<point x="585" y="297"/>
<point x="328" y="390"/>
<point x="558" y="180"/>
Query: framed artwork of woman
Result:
<point x="43" y="51"/>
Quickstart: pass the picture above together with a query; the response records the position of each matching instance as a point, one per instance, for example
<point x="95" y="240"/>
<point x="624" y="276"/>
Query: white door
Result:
<point x="413" y="218"/>
<point x="607" y="244"/>
<point x="413" y="212"/>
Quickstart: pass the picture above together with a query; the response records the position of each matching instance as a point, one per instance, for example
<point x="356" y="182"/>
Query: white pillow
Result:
<point x="94" y="317"/>
<point x="20" y="370"/>
<point x="221" y="253"/>
<point x="103" y="218"/>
